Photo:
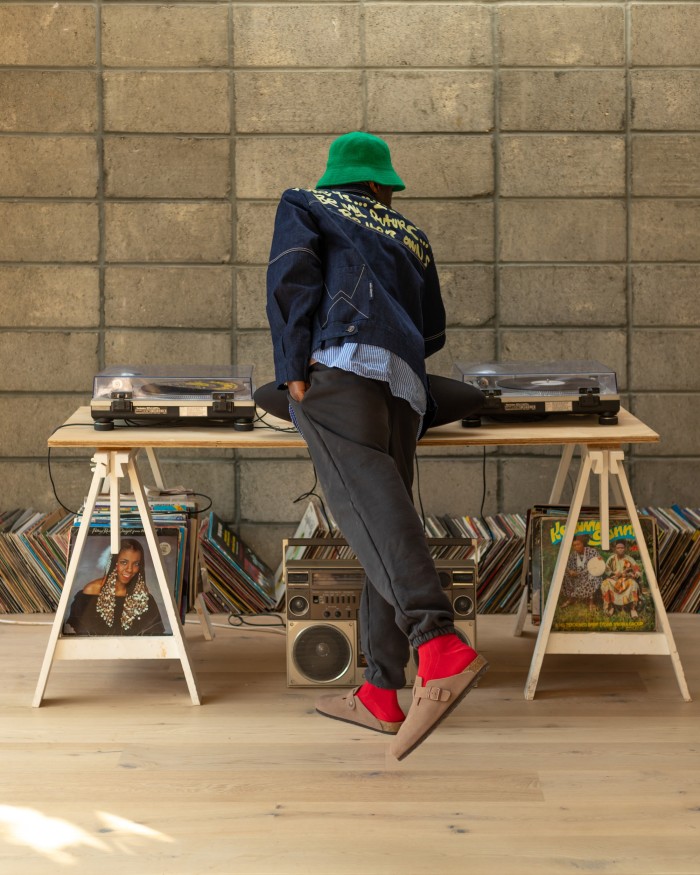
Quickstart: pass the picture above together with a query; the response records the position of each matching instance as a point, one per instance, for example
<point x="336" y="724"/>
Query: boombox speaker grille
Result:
<point x="323" y="653"/>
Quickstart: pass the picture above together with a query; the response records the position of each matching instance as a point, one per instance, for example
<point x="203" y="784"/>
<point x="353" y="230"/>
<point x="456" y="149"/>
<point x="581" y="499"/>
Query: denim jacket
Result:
<point x="344" y="267"/>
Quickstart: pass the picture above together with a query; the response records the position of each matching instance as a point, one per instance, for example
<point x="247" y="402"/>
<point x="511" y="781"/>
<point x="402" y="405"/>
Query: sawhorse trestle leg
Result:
<point x="109" y="466"/>
<point x="605" y="463"/>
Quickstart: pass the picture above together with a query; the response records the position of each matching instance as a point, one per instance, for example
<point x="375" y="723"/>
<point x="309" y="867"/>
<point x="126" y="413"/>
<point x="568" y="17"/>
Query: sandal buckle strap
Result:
<point x="435" y="694"/>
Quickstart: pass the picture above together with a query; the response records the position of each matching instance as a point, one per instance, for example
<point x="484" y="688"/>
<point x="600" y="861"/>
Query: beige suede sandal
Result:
<point x="350" y="709"/>
<point x="433" y="702"/>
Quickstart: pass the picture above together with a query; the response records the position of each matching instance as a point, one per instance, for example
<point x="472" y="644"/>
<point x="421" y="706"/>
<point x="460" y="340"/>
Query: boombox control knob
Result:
<point x="338" y="614"/>
<point x="326" y="614"/>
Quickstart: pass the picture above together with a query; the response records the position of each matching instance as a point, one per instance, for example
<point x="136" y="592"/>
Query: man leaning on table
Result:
<point x="354" y="307"/>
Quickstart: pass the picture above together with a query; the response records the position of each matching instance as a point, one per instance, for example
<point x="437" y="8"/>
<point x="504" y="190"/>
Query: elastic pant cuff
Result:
<point x="434" y="633"/>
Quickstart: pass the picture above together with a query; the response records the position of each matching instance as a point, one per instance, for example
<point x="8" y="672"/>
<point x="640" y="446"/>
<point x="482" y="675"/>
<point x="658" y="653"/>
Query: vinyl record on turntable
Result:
<point x="191" y="387"/>
<point x="548" y="384"/>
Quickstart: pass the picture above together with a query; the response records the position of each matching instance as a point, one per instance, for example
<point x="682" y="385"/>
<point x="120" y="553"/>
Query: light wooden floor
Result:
<point x="118" y="773"/>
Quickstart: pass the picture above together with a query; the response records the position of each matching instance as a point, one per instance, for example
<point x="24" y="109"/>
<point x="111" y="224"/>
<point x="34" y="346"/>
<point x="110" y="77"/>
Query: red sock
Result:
<point x="384" y="704"/>
<point x="443" y="656"/>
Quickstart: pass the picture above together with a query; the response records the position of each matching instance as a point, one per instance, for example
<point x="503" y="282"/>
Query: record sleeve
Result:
<point x="95" y="610"/>
<point x="602" y="590"/>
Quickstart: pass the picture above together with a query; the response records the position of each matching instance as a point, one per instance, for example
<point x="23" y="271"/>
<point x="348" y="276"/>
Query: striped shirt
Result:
<point x="376" y="363"/>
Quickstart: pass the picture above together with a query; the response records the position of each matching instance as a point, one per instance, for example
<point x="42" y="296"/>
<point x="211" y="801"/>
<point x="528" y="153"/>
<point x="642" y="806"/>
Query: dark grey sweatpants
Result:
<point x="362" y="442"/>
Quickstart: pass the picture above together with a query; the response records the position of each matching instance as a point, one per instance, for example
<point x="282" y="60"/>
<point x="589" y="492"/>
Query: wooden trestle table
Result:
<point x="601" y="455"/>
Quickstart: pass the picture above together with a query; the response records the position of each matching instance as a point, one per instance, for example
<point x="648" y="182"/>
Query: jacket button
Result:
<point x="351" y="329"/>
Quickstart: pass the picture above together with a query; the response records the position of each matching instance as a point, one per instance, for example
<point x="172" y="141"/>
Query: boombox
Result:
<point x="323" y="603"/>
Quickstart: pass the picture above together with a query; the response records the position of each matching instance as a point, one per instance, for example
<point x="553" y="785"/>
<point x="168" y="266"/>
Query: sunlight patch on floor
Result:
<point x="60" y="840"/>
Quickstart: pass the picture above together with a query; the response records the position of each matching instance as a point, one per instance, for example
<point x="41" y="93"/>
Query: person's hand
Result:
<point x="297" y="389"/>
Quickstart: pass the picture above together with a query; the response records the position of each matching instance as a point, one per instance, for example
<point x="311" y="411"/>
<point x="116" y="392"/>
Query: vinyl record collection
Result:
<point x="679" y="556"/>
<point x="500" y="548"/>
<point x="175" y="525"/>
<point x="234" y="578"/>
<point x="33" y="549"/>
<point x="34" y="546"/>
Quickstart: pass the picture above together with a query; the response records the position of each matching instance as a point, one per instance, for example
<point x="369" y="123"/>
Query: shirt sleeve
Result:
<point x="294" y="286"/>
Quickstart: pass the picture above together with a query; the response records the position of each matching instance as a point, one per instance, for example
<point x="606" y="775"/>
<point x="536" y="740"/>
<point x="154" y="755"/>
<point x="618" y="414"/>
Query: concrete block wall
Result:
<point x="551" y="151"/>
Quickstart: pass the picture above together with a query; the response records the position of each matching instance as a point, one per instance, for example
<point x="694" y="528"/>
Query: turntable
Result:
<point x="535" y="390"/>
<point x="174" y="395"/>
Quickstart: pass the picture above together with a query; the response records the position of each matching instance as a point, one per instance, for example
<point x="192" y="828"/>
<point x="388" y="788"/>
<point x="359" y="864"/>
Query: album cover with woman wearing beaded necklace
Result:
<point x="118" y="594"/>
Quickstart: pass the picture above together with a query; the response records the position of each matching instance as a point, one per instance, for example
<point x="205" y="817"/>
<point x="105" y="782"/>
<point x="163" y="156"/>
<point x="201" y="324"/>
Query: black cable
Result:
<point x="261" y="418"/>
<point x="189" y="513"/>
<point x="68" y="425"/>
<point x="53" y="486"/>
<point x="193" y="513"/>
<point x="237" y="619"/>
<point x="315" y="494"/>
<point x="48" y="462"/>
<point x="166" y="423"/>
<point x="159" y="423"/>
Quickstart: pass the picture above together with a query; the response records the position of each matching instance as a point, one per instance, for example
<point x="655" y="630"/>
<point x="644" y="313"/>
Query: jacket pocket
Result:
<point x="347" y="298"/>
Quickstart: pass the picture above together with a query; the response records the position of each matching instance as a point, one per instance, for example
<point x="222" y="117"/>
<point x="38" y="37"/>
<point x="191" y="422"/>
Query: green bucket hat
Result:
<point x="360" y="157"/>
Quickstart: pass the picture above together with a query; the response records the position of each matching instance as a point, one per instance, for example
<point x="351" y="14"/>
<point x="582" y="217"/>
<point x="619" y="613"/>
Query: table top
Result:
<point x="78" y="431"/>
